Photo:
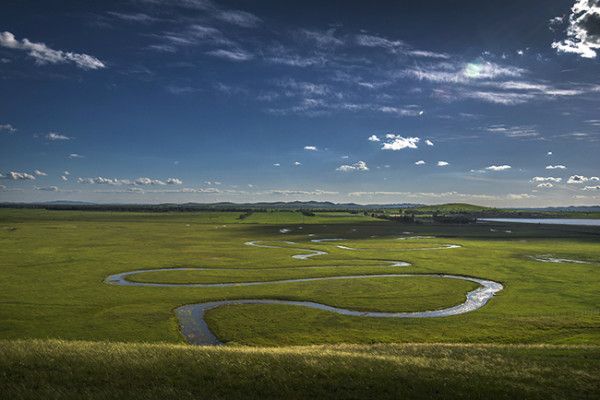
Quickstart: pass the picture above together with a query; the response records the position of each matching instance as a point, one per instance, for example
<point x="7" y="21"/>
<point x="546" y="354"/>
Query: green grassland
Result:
<point x="53" y="263"/>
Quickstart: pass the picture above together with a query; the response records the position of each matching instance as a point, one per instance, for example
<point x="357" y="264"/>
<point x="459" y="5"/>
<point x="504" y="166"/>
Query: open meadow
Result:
<point x="55" y="263"/>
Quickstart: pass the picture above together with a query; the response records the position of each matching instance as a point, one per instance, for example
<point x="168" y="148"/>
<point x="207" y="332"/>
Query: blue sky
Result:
<point x="175" y="101"/>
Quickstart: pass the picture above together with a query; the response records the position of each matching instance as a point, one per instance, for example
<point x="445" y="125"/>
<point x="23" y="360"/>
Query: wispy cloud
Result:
<point x="54" y="136"/>
<point x="7" y="128"/>
<point x="232" y="55"/>
<point x="514" y="131"/>
<point x="239" y="18"/>
<point x="45" y="55"/>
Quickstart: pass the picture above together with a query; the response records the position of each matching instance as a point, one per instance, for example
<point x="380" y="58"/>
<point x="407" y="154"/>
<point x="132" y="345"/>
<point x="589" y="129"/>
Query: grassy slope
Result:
<point x="88" y="370"/>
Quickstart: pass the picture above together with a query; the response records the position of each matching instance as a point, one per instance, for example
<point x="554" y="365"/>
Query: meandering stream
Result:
<point x="196" y="330"/>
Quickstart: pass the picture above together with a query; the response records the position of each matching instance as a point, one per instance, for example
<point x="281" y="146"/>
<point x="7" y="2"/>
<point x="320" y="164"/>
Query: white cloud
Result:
<point x="37" y="172"/>
<point x="310" y="148"/>
<point x="420" y="162"/>
<point x="45" y="55"/>
<point x="287" y="192"/>
<point x="428" y="142"/>
<point x="397" y="142"/>
<point x="75" y="155"/>
<point x="297" y="163"/>
<point x="374" y="138"/>
<point x="555" y="167"/>
<point x="66" y="173"/>
<point x="581" y="179"/>
<point x="277" y="165"/>
<point x="462" y="72"/>
<point x="233" y="55"/>
<point x="64" y="178"/>
<point x="583" y="35"/>
<point x="358" y="166"/>
<point x="148" y="181"/>
<point x="404" y="112"/>
<point x="545" y="185"/>
<point x="545" y="179"/>
<point x="549" y="153"/>
<point x="18" y="176"/>
<point x="442" y="163"/>
<point x="47" y="188"/>
<point x="519" y="196"/>
<point x="57" y="136"/>
<point x="142" y="181"/>
<point x="591" y="188"/>
<point x="8" y="128"/>
<point x="498" y="167"/>
<point x="102" y="181"/>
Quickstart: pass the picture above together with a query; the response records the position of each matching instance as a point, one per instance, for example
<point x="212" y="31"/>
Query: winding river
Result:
<point x="196" y="330"/>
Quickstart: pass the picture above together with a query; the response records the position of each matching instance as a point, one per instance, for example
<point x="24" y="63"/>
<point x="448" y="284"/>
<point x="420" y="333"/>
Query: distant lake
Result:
<point x="555" y="221"/>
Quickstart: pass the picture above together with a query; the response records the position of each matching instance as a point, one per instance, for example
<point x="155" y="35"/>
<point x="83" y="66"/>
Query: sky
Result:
<point x="153" y="101"/>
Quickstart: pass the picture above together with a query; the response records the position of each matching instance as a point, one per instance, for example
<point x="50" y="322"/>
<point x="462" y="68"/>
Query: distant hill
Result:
<point x="453" y="208"/>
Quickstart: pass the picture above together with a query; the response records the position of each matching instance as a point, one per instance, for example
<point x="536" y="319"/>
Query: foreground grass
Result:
<point x="94" y="370"/>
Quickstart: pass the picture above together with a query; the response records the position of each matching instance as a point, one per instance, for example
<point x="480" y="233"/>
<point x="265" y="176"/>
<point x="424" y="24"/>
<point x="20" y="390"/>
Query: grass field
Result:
<point x="53" y="264"/>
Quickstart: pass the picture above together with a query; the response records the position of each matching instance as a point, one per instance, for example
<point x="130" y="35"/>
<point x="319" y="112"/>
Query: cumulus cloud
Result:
<point x="64" y="178"/>
<point x="45" y="55"/>
<point x="53" y="136"/>
<point x="297" y="163"/>
<point x="142" y="181"/>
<point x="545" y="179"/>
<point x="37" y="172"/>
<point x="277" y="165"/>
<point x="420" y="162"/>
<point x="374" y="138"/>
<point x="581" y="179"/>
<point x="583" y="30"/>
<point x="442" y="163"/>
<point x="428" y="142"/>
<point x="358" y="166"/>
<point x="555" y="167"/>
<point x="18" y="176"/>
<point x="397" y="142"/>
<point x="7" y="128"/>
<point x="310" y="148"/>
<point x="75" y="155"/>
<point x="591" y="188"/>
<point x="498" y="167"/>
